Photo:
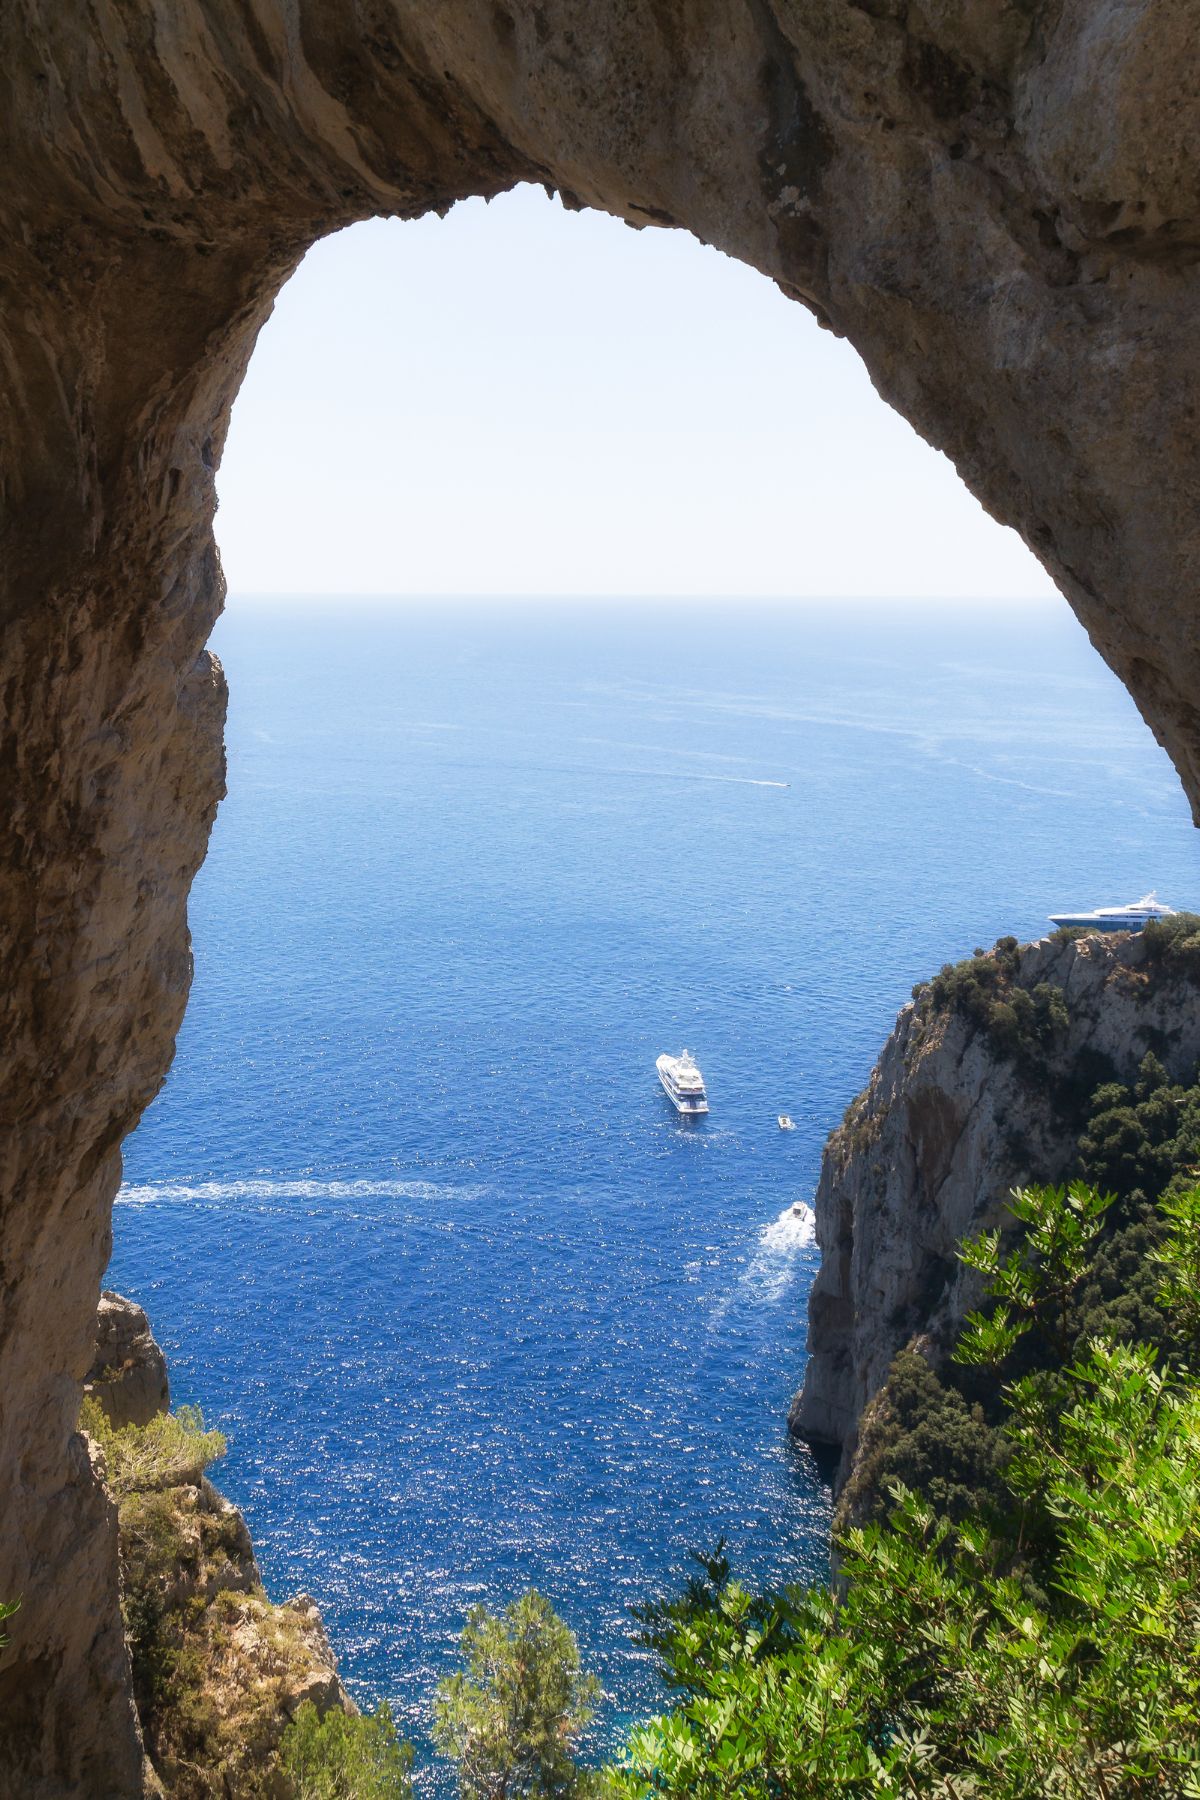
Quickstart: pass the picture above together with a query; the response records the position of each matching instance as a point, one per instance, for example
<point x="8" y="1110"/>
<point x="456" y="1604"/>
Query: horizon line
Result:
<point x="551" y="595"/>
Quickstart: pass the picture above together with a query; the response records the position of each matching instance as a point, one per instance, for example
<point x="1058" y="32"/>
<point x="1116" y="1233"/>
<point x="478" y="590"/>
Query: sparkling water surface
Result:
<point x="413" y="1220"/>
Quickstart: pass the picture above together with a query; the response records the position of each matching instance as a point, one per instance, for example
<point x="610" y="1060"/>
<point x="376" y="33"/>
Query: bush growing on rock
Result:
<point x="939" y="1431"/>
<point x="925" y="1433"/>
<point x="171" y="1448"/>
<point x="1021" y="1023"/>
<point x="1175" y="940"/>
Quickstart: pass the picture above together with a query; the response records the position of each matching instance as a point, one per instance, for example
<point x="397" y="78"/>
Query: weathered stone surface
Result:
<point x="128" y="1376"/>
<point x="928" y="1154"/>
<point x="996" y="202"/>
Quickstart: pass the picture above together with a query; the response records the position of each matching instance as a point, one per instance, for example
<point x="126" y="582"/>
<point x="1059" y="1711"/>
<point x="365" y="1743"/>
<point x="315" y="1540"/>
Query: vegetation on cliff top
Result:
<point x="986" y="989"/>
<point x="1054" y="1651"/>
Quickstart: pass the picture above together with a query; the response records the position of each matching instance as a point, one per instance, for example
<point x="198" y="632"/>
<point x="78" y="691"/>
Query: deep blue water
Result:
<point x="412" y="1218"/>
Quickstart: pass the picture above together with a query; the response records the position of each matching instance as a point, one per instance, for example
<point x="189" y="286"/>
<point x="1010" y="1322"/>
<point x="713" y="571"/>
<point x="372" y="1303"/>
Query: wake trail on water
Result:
<point x="263" y="1188"/>
<point x="769" y="1272"/>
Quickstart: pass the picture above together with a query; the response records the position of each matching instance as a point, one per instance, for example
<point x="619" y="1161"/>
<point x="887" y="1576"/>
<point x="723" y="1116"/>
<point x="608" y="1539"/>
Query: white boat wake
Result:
<point x="770" y="1270"/>
<point x="794" y="1229"/>
<point x="265" y="1188"/>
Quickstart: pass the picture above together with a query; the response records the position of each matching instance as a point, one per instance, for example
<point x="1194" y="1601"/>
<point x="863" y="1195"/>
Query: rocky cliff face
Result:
<point x="128" y="1376"/>
<point x="995" y="200"/>
<point x="954" y="1116"/>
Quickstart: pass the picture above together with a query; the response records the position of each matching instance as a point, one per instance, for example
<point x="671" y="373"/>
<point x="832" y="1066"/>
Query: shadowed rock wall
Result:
<point x="997" y="203"/>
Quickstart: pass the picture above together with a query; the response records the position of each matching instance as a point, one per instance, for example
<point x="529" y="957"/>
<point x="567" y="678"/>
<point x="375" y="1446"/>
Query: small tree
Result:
<point x="344" y="1757"/>
<point x="511" y="1720"/>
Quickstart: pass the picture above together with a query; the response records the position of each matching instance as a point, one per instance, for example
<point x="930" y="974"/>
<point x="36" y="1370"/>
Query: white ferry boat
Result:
<point x="1118" y="918"/>
<point x="684" y="1084"/>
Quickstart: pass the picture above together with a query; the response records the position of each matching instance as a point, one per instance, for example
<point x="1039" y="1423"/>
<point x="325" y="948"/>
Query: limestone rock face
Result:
<point x="995" y="200"/>
<point x="929" y="1152"/>
<point x="128" y="1376"/>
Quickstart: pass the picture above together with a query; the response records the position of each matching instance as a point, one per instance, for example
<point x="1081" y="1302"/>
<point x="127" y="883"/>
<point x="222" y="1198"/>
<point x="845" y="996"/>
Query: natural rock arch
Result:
<point x="998" y="203"/>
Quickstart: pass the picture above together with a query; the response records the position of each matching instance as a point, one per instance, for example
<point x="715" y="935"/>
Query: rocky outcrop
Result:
<point x="128" y="1376"/>
<point x="995" y="200"/>
<point x="954" y="1116"/>
<point x="218" y="1670"/>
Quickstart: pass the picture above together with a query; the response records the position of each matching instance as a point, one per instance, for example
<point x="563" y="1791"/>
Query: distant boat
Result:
<point x="1117" y="918"/>
<point x="683" y="1083"/>
<point x="786" y="1122"/>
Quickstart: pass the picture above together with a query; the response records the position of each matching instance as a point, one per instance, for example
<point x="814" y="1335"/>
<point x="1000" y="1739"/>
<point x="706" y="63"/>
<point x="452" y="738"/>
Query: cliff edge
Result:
<point x="983" y="1085"/>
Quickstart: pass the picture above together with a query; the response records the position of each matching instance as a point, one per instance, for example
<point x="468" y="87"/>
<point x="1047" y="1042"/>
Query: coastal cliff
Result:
<point x="983" y="1085"/>
<point x="218" y="1670"/>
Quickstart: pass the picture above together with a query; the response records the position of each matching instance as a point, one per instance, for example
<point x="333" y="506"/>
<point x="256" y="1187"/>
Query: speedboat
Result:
<point x="683" y="1083"/>
<point x="786" y="1122"/>
<point x="1117" y="918"/>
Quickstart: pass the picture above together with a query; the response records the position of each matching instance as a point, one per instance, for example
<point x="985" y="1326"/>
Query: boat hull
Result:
<point x="1089" y="922"/>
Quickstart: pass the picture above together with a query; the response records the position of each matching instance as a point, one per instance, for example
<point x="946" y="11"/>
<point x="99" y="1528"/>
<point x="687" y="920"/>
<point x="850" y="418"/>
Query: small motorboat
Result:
<point x="786" y="1122"/>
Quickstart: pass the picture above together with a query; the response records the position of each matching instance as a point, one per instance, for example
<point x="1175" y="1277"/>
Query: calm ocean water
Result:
<point x="412" y="1218"/>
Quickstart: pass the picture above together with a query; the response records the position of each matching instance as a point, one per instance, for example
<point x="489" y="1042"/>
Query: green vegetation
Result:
<point x="1175" y="941"/>
<point x="940" y="1433"/>
<point x="512" y="1718"/>
<point x="924" y="1433"/>
<point x="342" y="1757"/>
<point x="1051" y="1650"/>
<point x="1143" y="1140"/>
<point x="170" y="1449"/>
<point x="986" y="989"/>
<point x="7" y="1609"/>
<point x="160" y="1543"/>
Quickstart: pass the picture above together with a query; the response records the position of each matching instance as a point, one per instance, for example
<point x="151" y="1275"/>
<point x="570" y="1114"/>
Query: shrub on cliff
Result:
<point x="1021" y="1023"/>
<point x="924" y="1433"/>
<point x="1175" y="941"/>
<point x="345" y="1757"/>
<point x="217" y="1669"/>
<point x="938" y="1431"/>
<point x="511" y="1720"/>
<point x="170" y="1448"/>
<point x="1142" y="1139"/>
<point x="941" y="1674"/>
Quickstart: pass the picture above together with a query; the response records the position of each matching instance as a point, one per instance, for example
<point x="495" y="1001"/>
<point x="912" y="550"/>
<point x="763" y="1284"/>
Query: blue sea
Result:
<point x="412" y="1218"/>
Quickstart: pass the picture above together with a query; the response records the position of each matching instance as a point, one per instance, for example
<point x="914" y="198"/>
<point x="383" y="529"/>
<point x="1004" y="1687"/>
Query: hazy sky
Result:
<point x="521" y="400"/>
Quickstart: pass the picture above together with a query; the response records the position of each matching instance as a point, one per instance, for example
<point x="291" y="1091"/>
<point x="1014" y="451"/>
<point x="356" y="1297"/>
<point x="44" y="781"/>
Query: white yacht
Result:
<point x="684" y="1084"/>
<point x="1118" y="918"/>
<point x="786" y="1122"/>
